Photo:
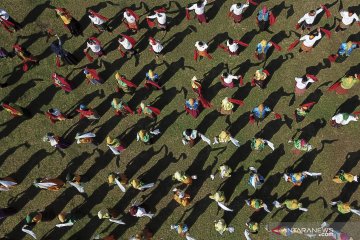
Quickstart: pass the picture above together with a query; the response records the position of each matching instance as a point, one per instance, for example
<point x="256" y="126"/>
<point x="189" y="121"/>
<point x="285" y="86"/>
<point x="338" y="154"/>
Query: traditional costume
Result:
<point x="66" y="219"/>
<point x="342" y="119"/>
<point x="336" y="234"/>
<point x="7" y="183"/>
<point x="52" y="184"/>
<point x="160" y="17"/>
<point x="145" y="234"/>
<point x="115" y="145"/>
<point x="257" y="204"/>
<point x="297" y="178"/>
<point x="95" y="45"/>
<point x="255" y="179"/>
<point x="137" y="210"/>
<point x="69" y="22"/>
<point x="130" y="19"/>
<point x="232" y="46"/>
<point x="302" y="83"/>
<point x="191" y="136"/>
<point x="62" y="54"/>
<point x="25" y="56"/>
<point x="347" y="19"/>
<point x="99" y="21"/>
<point x="13" y="109"/>
<point x="291" y="204"/>
<point x="121" y="107"/>
<point x="181" y="197"/>
<point x="89" y="137"/>
<point x="55" y="141"/>
<point x="225" y="137"/>
<point x="259" y="144"/>
<point x="309" y="41"/>
<point x="265" y="18"/>
<point x="343" y="177"/>
<point x="201" y="50"/>
<point x="227" y="105"/>
<point x="8" y="22"/>
<point x="192" y="107"/>
<point x="236" y="11"/>
<point x="227" y="80"/>
<point x="152" y="80"/>
<point x="128" y="44"/>
<point x="302" y="111"/>
<point x="259" y="113"/>
<point x="221" y="227"/>
<point x="86" y="112"/>
<point x="199" y="9"/>
<point x="287" y="231"/>
<point x="182" y="230"/>
<point x="300" y="145"/>
<point x="75" y="181"/>
<point x="119" y="179"/>
<point x="224" y="170"/>
<point x="345" y="84"/>
<point x="253" y="227"/>
<point x="148" y="110"/>
<point x="307" y="21"/>
<point x="196" y="85"/>
<point x="219" y="198"/>
<point x="34" y="217"/>
<point x="61" y="82"/>
<point x="124" y="84"/>
<point x="263" y="47"/>
<point x="155" y="46"/>
<point x="183" y="178"/>
<point x="92" y="76"/>
<point x="147" y="136"/>
<point x="139" y="185"/>
<point x="110" y="214"/>
<point x="259" y="78"/>
<point x="344" y="208"/>
<point x="345" y="49"/>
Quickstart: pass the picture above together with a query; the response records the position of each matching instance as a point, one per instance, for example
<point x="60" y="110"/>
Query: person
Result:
<point x="224" y="170"/>
<point x="156" y="47"/>
<point x="219" y="198"/>
<point x="307" y="21"/>
<point x="201" y="51"/>
<point x="227" y="105"/>
<point x="25" y="56"/>
<point x="344" y="51"/>
<point x="253" y="227"/>
<point x="265" y="18"/>
<point x="259" y="78"/>
<point x="7" y="183"/>
<point x="259" y="144"/>
<point x="148" y="110"/>
<point x="260" y="112"/>
<point x="347" y="19"/>
<point x="128" y="44"/>
<point x="119" y="179"/>
<point x="221" y="227"/>
<point x="140" y="185"/>
<point x="86" y="112"/>
<point x="110" y="214"/>
<point x="146" y="136"/>
<point x="236" y="11"/>
<point x="302" y="83"/>
<point x="95" y="45"/>
<point x="263" y="47"/>
<point x="181" y="197"/>
<point x="137" y="210"/>
<point x="182" y="230"/>
<point x="183" y="178"/>
<point x="227" y="80"/>
<point x="255" y="179"/>
<point x="287" y="231"/>
<point x="192" y="107"/>
<point x="121" y="107"/>
<point x="75" y="181"/>
<point x="196" y="85"/>
<point x="300" y="145"/>
<point x="160" y="16"/>
<point x="344" y="208"/>
<point x="124" y="84"/>
<point x="302" y="111"/>
<point x="297" y="178"/>
<point x="291" y="204"/>
<point x="34" y="218"/>
<point x="7" y="212"/>
<point x="99" y="21"/>
<point x="86" y="138"/>
<point x="309" y="41"/>
<point x="130" y="19"/>
<point x="191" y="136"/>
<point x="337" y="234"/>
<point x="8" y="22"/>
<point x="13" y="109"/>
<point x="144" y="234"/>
<point x="66" y="219"/>
<point x="257" y="204"/>
<point x="52" y="184"/>
<point x="92" y="76"/>
<point x="61" y="82"/>
<point x="152" y="80"/>
<point x="345" y="84"/>
<point x="343" y="177"/>
<point x="61" y="54"/>
<point x="342" y="119"/>
<point x="233" y="46"/>
<point x="199" y="9"/>
<point x="225" y="137"/>
<point x="115" y="145"/>
<point x="55" y="141"/>
<point x="69" y="21"/>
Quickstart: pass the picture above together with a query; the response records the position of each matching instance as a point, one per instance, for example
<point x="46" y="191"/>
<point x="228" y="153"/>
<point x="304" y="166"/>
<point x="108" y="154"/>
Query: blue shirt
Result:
<point x="262" y="114"/>
<point x="154" y="78"/>
<point x="194" y="107"/>
<point x="260" y="49"/>
<point x="344" y="50"/>
<point x="263" y="17"/>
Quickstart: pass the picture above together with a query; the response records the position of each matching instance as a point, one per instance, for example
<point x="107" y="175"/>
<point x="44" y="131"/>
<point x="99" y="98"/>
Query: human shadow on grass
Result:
<point x="176" y="39"/>
<point x="176" y="20"/>
<point x="10" y="151"/>
<point x="216" y="41"/>
<point x="208" y="121"/>
<point x="341" y="219"/>
<point x="277" y="38"/>
<point x="349" y="105"/>
<point x="35" y="13"/>
<point x="321" y="15"/>
<point x="275" y="65"/>
<point x="211" y="12"/>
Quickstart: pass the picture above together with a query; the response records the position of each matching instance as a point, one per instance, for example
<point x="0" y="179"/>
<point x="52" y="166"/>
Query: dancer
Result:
<point x="221" y="227"/>
<point x="302" y="111"/>
<point x="297" y="178"/>
<point x="130" y="19"/>
<point x="55" y="141"/>
<point x="69" y="21"/>
<point x="128" y="44"/>
<point x="201" y="51"/>
<point x="7" y="183"/>
<point x="148" y="110"/>
<point x="147" y="136"/>
<point x="236" y="11"/>
<point x="219" y="198"/>
<point x="344" y="208"/>
<point x="110" y="214"/>
<point x="92" y="76"/>
<point x="13" y="109"/>
<point x="75" y="181"/>
<point x="224" y="170"/>
<point x="259" y="78"/>
<point x="160" y="16"/>
<point x="309" y="41"/>
<point x="347" y="19"/>
<point x="115" y="145"/>
<point x="343" y="177"/>
<point x="156" y="47"/>
<point x="66" y="219"/>
<point x="227" y="105"/>
<point x="227" y="80"/>
<point x="291" y="204"/>
<point x="345" y="84"/>
<point x="259" y="144"/>
<point x="199" y="9"/>
<point x="119" y="179"/>
<point x="225" y="137"/>
<point x="121" y="107"/>
<point x="62" y="54"/>
<point x="191" y="137"/>
<point x="52" y="184"/>
<point x="138" y="210"/>
<point x="181" y="197"/>
<point x="345" y="50"/>
<point x="152" y="80"/>
<point x="255" y="179"/>
<point x="263" y="47"/>
<point x="300" y="145"/>
<point x="257" y="204"/>
<point x="124" y="84"/>
<point x="99" y="21"/>
<point x="260" y="112"/>
<point x="95" y="45"/>
<point x="140" y="185"/>
<point x="25" y="56"/>
<point x="61" y="82"/>
<point x="302" y="84"/>
<point x="182" y="230"/>
<point x="86" y="112"/>
<point x="8" y="22"/>
<point x="86" y="138"/>
<point x="232" y="46"/>
<point x="265" y="18"/>
<point x="307" y="21"/>
<point x="183" y="178"/>
<point x="196" y="85"/>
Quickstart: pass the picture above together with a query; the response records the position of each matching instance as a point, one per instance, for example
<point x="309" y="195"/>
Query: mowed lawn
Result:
<point x="26" y="157"/>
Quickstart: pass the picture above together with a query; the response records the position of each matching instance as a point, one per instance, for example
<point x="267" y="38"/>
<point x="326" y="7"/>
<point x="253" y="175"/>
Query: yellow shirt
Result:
<point x="65" y="19"/>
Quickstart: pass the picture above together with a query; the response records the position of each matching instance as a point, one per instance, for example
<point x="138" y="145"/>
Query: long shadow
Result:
<point x="176" y="39"/>
<point x="35" y="13"/>
<point x="270" y="129"/>
<point x="20" y="90"/>
<point x="172" y="69"/>
<point x="277" y="9"/>
<point x="167" y="121"/>
<point x="11" y="151"/>
<point x="248" y="37"/>
<point x="277" y="38"/>
<point x="175" y="21"/>
<point x="208" y="121"/>
<point x="321" y="15"/>
<point x="270" y="161"/>
<point x="215" y="41"/>
<point x="275" y="65"/>
<point x="274" y="97"/>
<point x="238" y="124"/>
<point x="311" y="130"/>
<point x="349" y="105"/>
<point x="14" y="76"/>
<point x="211" y="13"/>
<point x="213" y="74"/>
<point x="85" y="20"/>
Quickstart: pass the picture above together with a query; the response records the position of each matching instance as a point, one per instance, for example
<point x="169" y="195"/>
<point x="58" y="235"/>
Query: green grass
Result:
<point x="161" y="160"/>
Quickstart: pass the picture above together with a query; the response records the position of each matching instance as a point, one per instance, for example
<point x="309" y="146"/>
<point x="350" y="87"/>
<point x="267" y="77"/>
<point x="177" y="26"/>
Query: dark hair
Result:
<point x="230" y="40"/>
<point x="312" y="12"/>
<point x="201" y="43"/>
<point x="350" y="10"/>
<point x="188" y="132"/>
<point x="199" y="3"/>
<point x="51" y="110"/>
<point x="238" y="5"/>
<point x="225" y="74"/>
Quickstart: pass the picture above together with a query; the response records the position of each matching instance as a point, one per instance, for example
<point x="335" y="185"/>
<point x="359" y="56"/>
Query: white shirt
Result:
<point x="96" y="20"/>
<point x="126" y="44"/>
<point x="310" y="19"/>
<point x="161" y="17"/>
<point x="237" y="11"/>
<point x="157" y="47"/>
<point x="310" y="42"/>
<point x="346" y="19"/>
<point x="201" y="48"/>
<point x="94" y="47"/>
<point x="4" y="14"/>
<point x="130" y="18"/>
<point x="232" y="47"/>
<point x="339" y="119"/>
<point x="198" y="10"/>
<point x="302" y="85"/>
<point x="230" y="78"/>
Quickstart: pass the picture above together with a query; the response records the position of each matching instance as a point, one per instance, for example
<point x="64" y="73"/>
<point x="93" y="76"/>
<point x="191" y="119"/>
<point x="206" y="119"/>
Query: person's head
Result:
<point x="191" y="101"/>
<point x="142" y="105"/>
<point x="312" y="12"/>
<point x="350" y="12"/>
<point x="121" y="39"/>
<point x="86" y="71"/>
<point x="188" y="132"/>
<point x="263" y="42"/>
<point x="231" y="41"/>
<point x="311" y="36"/>
<point x="51" y="110"/>
<point x="62" y="217"/>
<point x="83" y="107"/>
<point x="91" y="41"/>
<point x="142" y="133"/>
<point x="349" y="44"/>
<point x="238" y="5"/>
<point x="199" y="3"/>
<point x="91" y="13"/>
<point x="261" y="107"/>
<point x="225" y="100"/>
<point x="264" y="9"/>
<point x="151" y="73"/>
<point x="225" y="74"/>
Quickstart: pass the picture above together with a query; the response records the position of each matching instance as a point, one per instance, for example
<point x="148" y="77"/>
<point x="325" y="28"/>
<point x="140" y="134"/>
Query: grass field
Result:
<point x="26" y="157"/>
